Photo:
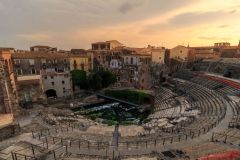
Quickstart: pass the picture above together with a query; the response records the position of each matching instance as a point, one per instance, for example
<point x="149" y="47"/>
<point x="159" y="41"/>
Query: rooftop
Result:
<point x="40" y="46"/>
<point x="39" y="55"/>
<point x="224" y="60"/>
<point x="6" y="48"/>
<point x="111" y="41"/>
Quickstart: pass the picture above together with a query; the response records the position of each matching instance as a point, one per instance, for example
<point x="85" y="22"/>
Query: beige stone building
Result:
<point x="40" y="48"/>
<point x="56" y="84"/>
<point x="11" y="50"/>
<point x="28" y="67"/>
<point x="208" y="52"/>
<point x="108" y="45"/>
<point x="230" y="51"/>
<point x="158" y="55"/>
<point x="179" y="53"/>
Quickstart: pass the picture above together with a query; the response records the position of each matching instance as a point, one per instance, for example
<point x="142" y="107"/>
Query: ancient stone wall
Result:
<point x="8" y="131"/>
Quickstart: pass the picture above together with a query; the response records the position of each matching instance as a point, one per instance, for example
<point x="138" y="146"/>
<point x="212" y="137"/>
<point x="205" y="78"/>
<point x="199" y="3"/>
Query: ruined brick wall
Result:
<point x="30" y="87"/>
<point x="1" y="100"/>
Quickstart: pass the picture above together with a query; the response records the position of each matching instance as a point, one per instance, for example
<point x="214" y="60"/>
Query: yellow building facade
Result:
<point x="80" y="62"/>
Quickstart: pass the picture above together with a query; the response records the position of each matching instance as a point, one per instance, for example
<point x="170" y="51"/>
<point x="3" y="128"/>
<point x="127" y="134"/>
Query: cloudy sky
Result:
<point x="76" y="23"/>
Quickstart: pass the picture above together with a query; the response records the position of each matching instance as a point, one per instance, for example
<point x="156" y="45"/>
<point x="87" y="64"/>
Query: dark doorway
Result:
<point x="228" y="74"/>
<point x="51" y="93"/>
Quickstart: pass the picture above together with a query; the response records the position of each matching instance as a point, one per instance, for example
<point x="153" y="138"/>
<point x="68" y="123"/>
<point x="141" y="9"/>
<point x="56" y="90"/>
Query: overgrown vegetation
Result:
<point x="114" y="114"/>
<point x="95" y="80"/>
<point x="133" y="96"/>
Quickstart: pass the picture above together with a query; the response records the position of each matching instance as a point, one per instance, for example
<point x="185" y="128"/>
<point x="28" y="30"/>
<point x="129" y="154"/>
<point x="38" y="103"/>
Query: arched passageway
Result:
<point x="51" y="93"/>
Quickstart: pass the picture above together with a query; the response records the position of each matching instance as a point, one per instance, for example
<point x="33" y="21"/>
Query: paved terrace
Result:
<point x="5" y="119"/>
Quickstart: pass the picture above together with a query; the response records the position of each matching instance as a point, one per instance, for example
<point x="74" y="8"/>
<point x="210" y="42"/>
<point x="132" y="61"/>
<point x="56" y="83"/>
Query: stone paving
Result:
<point x="5" y="119"/>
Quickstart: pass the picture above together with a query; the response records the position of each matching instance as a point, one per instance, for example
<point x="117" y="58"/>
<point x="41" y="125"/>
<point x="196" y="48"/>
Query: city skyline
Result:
<point x="75" y="24"/>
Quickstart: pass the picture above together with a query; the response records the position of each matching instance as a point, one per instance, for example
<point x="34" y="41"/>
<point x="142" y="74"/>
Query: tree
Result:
<point x="79" y="79"/>
<point x="108" y="78"/>
<point x="95" y="80"/>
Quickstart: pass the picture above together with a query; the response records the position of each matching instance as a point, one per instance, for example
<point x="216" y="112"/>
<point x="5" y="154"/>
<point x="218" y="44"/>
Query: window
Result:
<point x="45" y="77"/>
<point x="52" y="83"/>
<point x="132" y="72"/>
<point x="31" y="62"/>
<point x="75" y="64"/>
<point x="52" y="77"/>
<point x="44" y="66"/>
<point x="131" y="80"/>
<point x="82" y="67"/>
<point x="131" y="60"/>
<point x="63" y="82"/>
<point x="19" y="72"/>
<point x="17" y="61"/>
<point x="43" y="61"/>
<point x="33" y="71"/>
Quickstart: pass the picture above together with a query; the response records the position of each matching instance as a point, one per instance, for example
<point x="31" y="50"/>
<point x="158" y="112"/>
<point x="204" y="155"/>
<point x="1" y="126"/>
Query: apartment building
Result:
<point x="30" y="63"/>
<point x="28" y="67"/>
<point x="81" y="62"/>
<point x="222" y="49"/>
<point x="108" y="45"/>
<point x="40" y="48"/>
<point x="204" y="52"/>
<point x="180" y="53"/>
<point x="158" y="55"/>
<point x="230" y="51"/>
<point x="136" y="70"/>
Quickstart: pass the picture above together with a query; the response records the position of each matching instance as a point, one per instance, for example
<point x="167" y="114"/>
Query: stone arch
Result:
<point x="51" y="93"/>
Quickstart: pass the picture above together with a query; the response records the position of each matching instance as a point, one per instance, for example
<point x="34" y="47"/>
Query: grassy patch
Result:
<point x="136" y="97"/>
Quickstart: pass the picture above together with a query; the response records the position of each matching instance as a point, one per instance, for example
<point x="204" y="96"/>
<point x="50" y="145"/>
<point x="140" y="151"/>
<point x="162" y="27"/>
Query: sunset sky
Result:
<point x="76" y="23"/>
